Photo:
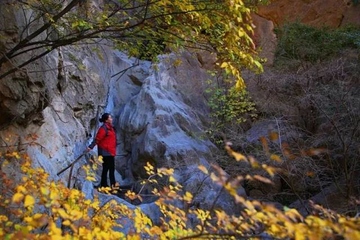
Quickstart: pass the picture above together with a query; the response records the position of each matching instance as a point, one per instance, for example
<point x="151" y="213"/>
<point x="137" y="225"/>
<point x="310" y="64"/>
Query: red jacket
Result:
<point x="105" y="140"/>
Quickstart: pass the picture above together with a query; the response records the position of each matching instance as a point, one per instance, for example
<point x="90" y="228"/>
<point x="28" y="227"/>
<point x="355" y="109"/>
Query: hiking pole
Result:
<point x="71" y="164"/>
<point x="78" y="158"/>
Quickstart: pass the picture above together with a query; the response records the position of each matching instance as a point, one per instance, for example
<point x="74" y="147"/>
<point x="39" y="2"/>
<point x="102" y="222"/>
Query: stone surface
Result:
<point x="264" y="38"/>
<point x="331" y="13"/>
<point x="317" y="13"/>
<point x="158" y="127"/>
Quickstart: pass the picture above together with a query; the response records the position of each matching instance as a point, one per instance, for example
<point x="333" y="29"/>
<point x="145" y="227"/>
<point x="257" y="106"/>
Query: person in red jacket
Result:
<point x="105" y="139"/>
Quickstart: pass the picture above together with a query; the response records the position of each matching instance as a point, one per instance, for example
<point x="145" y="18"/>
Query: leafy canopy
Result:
<point x="143" y="28"/>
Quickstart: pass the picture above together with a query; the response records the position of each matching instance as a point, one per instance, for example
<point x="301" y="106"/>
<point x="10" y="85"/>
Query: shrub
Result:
<point x="301" y="42"/>
<point x="229" y="107"/>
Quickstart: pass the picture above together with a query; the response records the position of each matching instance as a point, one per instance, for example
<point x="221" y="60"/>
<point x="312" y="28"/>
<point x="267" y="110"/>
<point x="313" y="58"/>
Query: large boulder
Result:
<point x="158" y="127"/>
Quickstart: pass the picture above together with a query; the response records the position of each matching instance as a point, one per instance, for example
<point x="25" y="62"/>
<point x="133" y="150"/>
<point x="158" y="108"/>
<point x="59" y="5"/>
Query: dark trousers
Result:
<point x="108" y="166"/>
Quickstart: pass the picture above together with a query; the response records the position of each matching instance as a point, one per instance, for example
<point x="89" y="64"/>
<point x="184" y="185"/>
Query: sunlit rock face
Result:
<point x="157" y="126"/>
<point x="317" y="13"/>
<point x="264" y="38"/>
<point x="330" y="13"/>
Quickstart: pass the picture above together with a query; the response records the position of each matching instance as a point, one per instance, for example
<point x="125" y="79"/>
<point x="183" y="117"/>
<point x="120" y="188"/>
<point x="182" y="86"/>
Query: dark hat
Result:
<point x="104" y="117"/>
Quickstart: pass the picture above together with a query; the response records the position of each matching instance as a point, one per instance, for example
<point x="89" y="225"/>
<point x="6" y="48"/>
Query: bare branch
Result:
<point x="23" y="42"/>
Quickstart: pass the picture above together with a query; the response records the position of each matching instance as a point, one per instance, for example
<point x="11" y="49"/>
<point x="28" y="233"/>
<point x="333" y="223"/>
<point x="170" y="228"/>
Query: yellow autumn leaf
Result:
<point x="214" y="177"/>
<point x="264" y="143"/>
<point x="270" y="170"/>
<point x="188" y="197"/>
<point x="91" y="178"/>
<point x="66" y="206"/>
<point x="133" y="237"/>
<point x="62" y="213"/>
<point x="220" y="215"/>
<point x="18" y="197"/>
<point x="29" y="201"/>
<point x="203" y="169"/>
<point x="21" y="189"/>
<point x="44" y="190"/>
<point x="240" y="85"/>
<point x="55" y="232"/>
<point x="293" y="214"/>
<point x="254" y="163"/>
<point x="236" y="155"/>
<point x="274" y="136"/>
<point x="275" y="158"/>
<point x="310" y="174"/>
<point x="172" y="179"/>
<point x="172" y="194"/>
<point x="37" y="220"/>
<point x="224" y="65"/>
<point x="66" y="223"/>
<point x="241" y="32"/>
<point x="54" y="195"/>
<point x="275" y="228"/>
<point x="169" y="171"/>
<point x="3" y="218"/>
<point x="76" y="213"/>
<point x="37" y="216"/>
<point x="155" y="230"/>
<point x="262" y="179"/>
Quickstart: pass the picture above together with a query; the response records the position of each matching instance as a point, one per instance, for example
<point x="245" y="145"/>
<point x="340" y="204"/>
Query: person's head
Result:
<point x="106" y="118"/>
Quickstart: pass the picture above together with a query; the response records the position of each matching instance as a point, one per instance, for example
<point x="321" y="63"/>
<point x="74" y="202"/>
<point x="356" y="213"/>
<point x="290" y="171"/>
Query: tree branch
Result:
<point x="24" y="42"/>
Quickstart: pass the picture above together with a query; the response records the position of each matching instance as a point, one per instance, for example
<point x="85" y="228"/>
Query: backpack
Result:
<point x="106" y="129"/>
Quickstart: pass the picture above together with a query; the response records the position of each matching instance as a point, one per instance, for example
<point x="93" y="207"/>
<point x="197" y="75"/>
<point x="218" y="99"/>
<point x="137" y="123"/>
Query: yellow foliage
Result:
<point x="275" y="158"/>
<point x="141" y="221"/>
<point x="29" y="201"/>
<point x="188" y="197"/>
<point x="236" y="155"/>
<point x="18" y="197"/>
<point x="62" y="213"/>
<point x="13" y="155"/>
<point x="203" y="169"/>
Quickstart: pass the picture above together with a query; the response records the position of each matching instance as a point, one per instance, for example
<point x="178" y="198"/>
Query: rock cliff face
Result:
<point x="158" y="126"/>
<point x="330" y="13"/>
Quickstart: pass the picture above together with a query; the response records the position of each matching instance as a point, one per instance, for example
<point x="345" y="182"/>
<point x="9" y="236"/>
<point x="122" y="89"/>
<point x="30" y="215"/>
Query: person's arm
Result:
<point x="99" y="136"/>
